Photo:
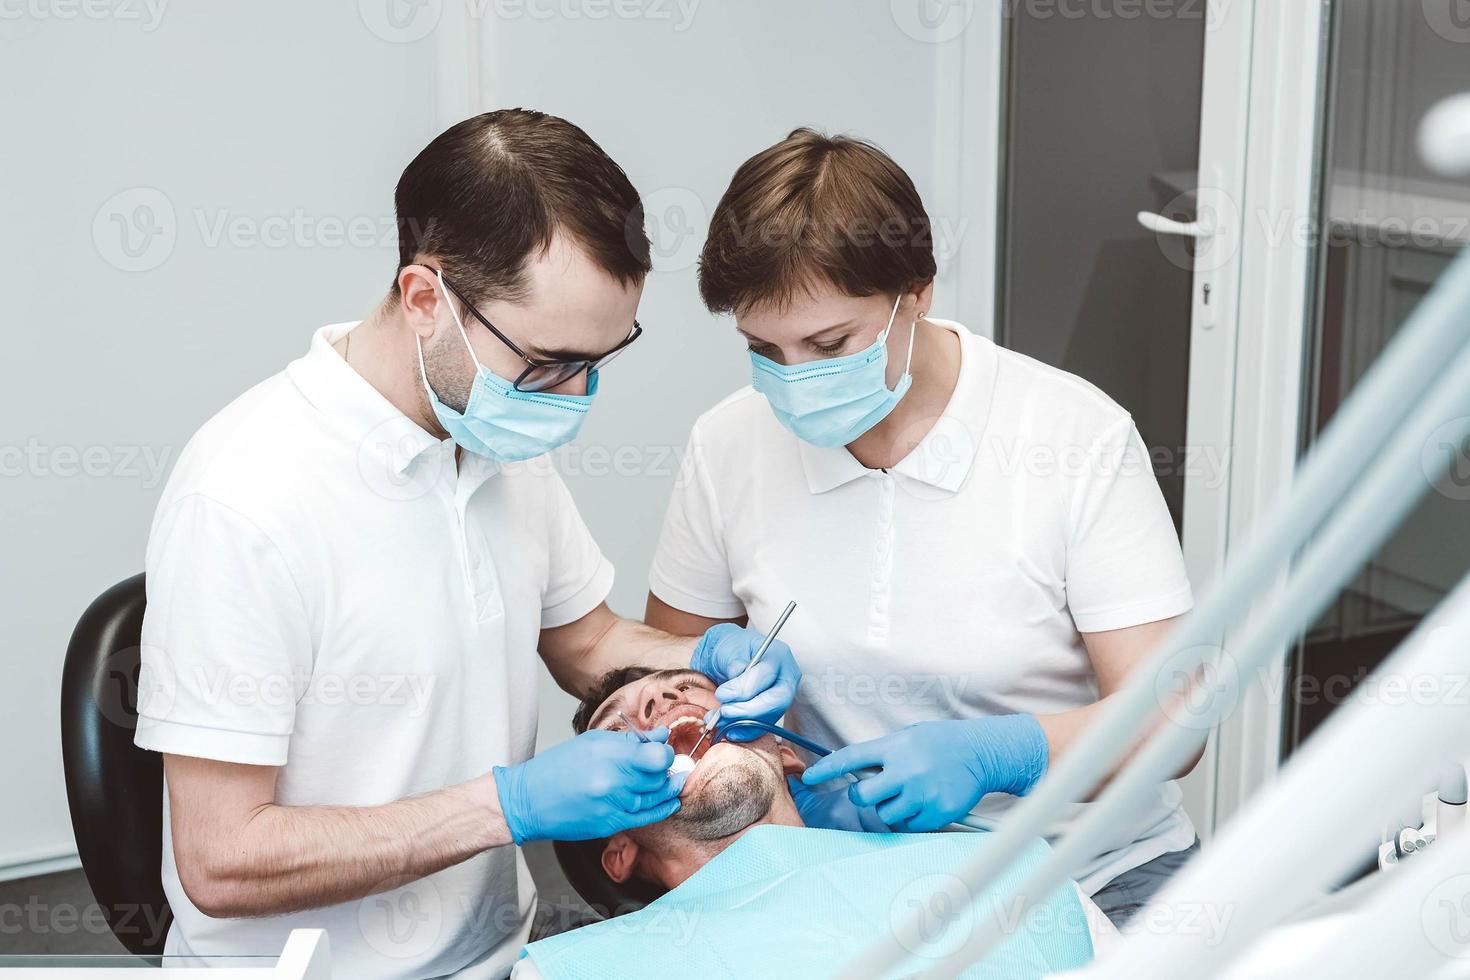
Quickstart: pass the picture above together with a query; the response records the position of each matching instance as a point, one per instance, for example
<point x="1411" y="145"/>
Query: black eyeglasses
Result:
<point x="540" y="374"/>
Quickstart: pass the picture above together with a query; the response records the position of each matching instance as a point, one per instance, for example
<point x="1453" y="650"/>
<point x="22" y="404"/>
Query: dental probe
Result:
<point x="760" y="652"/>
<point x="633" y="728"/>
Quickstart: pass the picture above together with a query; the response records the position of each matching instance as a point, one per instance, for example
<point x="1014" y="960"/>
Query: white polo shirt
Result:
<point x="953" y="585"/>
<point x="330" y="594"/>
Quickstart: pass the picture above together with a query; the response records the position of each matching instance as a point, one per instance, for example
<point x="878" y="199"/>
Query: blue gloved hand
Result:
<point x="591" y="786"/>
<point x="763" y="692"/>
<point x="934" y="772"/>
<point x="833" y="810"/>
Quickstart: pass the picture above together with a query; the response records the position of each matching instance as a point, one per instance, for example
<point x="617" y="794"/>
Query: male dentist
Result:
<point x="354" y="563"/>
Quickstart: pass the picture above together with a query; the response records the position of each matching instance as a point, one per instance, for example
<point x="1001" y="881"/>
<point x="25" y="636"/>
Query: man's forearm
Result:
<point x="580" y="653"/>
<point x="288" y="858"/>
<point x="629" y="642"/>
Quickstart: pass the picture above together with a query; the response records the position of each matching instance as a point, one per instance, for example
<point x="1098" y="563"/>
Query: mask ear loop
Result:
<point x="913" y="329"/>
<point x="419" y="343"/>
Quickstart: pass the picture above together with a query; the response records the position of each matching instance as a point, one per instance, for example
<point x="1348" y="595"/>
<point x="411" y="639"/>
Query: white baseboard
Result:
<point x="38" y="863"/>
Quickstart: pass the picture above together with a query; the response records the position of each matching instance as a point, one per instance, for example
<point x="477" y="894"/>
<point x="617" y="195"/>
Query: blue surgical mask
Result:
<point x="501" y="423"/>
<point x="831" y="402"/>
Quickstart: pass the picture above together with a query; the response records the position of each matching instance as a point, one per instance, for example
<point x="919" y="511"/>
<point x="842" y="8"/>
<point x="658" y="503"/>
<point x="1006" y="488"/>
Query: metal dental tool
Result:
<point x="760" y="652"/>
<point x="633" y="728"/>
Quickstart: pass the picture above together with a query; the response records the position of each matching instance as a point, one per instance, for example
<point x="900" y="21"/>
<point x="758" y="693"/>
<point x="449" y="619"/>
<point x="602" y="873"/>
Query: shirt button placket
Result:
<point x="882" y="578"/>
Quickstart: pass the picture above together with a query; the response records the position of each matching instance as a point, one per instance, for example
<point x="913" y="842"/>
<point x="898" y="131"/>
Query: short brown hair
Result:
<point x="605" y="687"/>
<point x="815" y="209"/>
<point x="492" y="189"/>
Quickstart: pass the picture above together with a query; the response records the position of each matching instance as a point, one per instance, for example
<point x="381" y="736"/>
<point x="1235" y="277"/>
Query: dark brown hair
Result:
<point x="815" y="209"/>
<point x="606" y="685"/>
<point x="492" y="189"/>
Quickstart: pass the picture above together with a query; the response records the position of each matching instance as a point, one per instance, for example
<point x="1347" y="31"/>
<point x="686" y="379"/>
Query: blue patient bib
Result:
<point x="801" y="902"/>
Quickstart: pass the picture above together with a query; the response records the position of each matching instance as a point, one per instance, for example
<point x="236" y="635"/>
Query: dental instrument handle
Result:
<point x="771" y="636"/>
<point x="759" y="653"/>
<point x="632" y="728"/>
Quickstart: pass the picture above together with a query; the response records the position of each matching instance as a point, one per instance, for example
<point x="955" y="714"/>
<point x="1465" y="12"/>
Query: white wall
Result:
<point x="212" y="113"/>
<point x="234" y="112"/>
<point x="680" y="104"/>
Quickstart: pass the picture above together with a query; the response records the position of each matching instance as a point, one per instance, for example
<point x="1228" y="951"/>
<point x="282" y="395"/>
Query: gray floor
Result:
<point x="56" y="915"/>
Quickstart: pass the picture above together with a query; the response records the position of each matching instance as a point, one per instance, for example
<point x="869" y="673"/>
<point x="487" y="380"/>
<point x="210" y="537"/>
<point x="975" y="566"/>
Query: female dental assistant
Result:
<point x="977" y="540"/>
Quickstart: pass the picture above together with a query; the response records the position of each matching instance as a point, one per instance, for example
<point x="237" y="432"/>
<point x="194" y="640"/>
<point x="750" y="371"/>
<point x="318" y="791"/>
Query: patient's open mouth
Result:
<point x="684" y="733"/>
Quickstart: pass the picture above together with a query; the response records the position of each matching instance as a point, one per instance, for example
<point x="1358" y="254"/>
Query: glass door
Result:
<point x="1124" y="143"/>
<point x="1386" y="229"/>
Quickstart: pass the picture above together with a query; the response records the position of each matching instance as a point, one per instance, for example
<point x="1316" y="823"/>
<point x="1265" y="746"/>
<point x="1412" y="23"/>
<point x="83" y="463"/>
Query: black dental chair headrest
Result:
<point x="581" y="862"/>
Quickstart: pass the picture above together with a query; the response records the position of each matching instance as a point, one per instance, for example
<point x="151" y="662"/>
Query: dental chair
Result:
<point x="114" y="788"/>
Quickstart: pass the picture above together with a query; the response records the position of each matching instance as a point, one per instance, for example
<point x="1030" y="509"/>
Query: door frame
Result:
<point x="1274" y="293"/>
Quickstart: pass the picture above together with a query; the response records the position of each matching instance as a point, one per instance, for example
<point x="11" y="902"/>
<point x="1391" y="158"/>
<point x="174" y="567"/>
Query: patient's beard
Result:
<point x="733" y="798"/>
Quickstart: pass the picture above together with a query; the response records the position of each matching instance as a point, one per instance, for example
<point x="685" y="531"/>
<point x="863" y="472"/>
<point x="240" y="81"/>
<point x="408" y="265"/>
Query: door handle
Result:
<point x="1205" y="314"/>
<point x="1168" y="226"/>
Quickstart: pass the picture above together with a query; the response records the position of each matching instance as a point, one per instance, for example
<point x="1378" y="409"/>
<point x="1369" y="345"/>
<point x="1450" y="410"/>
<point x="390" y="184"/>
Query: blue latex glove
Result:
<point x="934" y="772"/>
<point x="833" y="810"/>
<point x="590" y="786"/>
<point x="763" y="692"/>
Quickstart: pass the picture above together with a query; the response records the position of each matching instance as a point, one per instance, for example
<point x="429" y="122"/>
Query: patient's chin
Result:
<point x="728" y="798"/>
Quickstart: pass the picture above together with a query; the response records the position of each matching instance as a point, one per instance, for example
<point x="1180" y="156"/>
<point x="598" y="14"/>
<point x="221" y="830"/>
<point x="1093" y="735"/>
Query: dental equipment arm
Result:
<point x="1372" y="754"/>
<point x="1378" y="409"/>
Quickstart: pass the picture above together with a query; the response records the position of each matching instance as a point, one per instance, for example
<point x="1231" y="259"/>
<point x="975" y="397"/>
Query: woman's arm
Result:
<point x="1114" y="655"/>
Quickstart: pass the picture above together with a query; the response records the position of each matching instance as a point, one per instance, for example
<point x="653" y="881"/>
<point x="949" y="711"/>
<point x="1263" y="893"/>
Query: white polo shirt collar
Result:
<point x="384" y="435"/>
<point x="944" y="457"/>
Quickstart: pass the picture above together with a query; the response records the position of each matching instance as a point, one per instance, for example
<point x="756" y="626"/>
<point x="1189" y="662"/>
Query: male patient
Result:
<point x="748" y="890"/>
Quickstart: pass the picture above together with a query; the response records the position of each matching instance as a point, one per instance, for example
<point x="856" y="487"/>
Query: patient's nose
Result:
<point x="657" y="700"/>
